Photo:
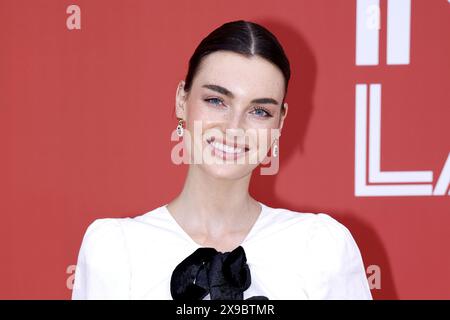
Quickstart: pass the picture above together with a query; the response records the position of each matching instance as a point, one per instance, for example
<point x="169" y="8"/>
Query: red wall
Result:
<point x="86" y="117"/>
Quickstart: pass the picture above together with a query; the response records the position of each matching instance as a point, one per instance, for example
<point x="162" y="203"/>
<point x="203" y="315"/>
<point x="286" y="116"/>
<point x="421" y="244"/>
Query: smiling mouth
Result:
<point x="227" y="148"/>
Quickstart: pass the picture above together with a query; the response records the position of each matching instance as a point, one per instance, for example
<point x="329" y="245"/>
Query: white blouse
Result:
<point x="291" y="255"/>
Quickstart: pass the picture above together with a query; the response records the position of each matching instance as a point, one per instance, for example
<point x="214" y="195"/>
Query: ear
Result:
<point x="283" y="116"/>
<point x="180" y="101"/>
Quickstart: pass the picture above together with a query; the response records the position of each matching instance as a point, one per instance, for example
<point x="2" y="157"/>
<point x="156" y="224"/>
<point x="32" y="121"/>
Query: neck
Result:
<point x="213" y="203"/>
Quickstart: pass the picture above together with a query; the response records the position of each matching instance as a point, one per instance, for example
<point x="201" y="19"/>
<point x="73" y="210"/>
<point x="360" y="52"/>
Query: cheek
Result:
<point x="195" y="116"/>
<point x="194" y="111"/>
<point x="200" y="111"/>
<point x="264" y="140"/>
<point x="267" y="135"/>
<point x="261" y="139"/>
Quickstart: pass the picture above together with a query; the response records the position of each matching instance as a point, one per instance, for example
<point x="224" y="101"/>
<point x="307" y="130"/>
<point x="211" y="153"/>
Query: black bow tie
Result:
<point x="225" y="276"/>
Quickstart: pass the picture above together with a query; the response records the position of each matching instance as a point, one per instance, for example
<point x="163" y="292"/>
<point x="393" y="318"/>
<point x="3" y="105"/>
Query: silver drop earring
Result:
<point x="275" y="150"/>
<point x="180" y="129"/>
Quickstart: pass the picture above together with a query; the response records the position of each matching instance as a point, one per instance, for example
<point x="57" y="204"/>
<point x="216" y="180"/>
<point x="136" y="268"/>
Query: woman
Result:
<point x="214" y="241"/>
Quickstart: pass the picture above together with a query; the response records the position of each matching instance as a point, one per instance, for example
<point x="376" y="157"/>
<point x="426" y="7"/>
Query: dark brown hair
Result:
<point x="243" y="37"/>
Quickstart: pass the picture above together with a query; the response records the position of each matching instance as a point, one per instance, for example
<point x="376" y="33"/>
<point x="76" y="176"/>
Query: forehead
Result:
<point x="243" y="76"/>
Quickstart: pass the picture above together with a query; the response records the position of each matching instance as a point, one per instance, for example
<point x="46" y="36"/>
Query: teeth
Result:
<point x="225" y="148"/>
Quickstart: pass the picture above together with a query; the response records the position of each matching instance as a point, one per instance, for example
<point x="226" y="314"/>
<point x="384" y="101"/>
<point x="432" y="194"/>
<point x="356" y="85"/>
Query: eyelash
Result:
<point x="267" y="113"/>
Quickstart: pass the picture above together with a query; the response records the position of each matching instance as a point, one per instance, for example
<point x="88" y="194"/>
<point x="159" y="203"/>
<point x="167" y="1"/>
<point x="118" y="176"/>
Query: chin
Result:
<point x="227" y="171"/>
<point x="214" y="161"/>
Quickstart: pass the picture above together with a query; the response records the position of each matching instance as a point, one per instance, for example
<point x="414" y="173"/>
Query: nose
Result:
<point x="235" y="121"/>
<point x="234" y="127"/>
<point x="234" y="124"/>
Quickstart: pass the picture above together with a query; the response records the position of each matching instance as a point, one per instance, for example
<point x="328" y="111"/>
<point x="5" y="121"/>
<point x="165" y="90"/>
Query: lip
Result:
<point x="235" y="145"/>
<point x="223" y="154"/>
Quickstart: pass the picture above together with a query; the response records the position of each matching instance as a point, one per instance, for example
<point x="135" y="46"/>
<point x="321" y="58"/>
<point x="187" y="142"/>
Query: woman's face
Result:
<point x="233" y="113"/>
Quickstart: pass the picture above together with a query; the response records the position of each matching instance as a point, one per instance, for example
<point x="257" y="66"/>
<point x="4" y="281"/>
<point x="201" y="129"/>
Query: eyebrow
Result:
<point x="228" y="93"/>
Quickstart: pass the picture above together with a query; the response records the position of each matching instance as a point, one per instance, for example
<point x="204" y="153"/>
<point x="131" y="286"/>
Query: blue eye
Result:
<point x="261" y="112"/>
<point x="214" y="101"/>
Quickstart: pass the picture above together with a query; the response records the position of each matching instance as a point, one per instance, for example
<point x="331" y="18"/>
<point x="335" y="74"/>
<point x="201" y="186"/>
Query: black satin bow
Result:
<point x="225" y="276"/>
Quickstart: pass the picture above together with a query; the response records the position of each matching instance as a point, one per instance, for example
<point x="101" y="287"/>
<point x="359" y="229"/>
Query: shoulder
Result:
<point x="103" y="239"/>
<point x="326" y="229"/>
<point x="103" y="268"/>
<point x="104" y="228"/>
<point x="331" y="242"/>
<point x="115" y="228"/>
<point x="327" y="256"/>
<point x="312" y="224"/>
<point x="319" y="233"/>
<point x="115" y="236"/>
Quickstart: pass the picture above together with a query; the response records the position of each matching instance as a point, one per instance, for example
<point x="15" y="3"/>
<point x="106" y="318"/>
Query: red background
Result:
<point x="86" y="117"/>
